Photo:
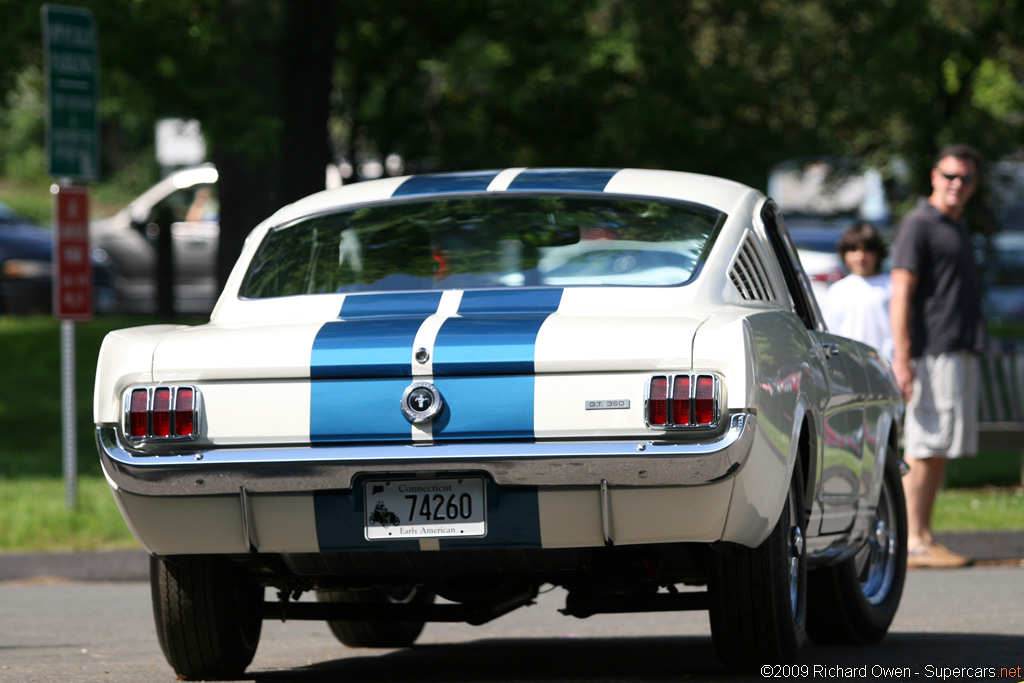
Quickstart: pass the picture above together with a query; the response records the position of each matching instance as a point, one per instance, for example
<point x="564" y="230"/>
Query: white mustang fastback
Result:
<point x="471" y="385"/>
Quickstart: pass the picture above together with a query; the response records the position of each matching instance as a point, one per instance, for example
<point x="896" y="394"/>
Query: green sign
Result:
<point x="72" y="92"/>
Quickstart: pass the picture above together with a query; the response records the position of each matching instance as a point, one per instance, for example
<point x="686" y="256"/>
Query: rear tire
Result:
<point x="758" y="596"/>
<point x="377" y="633"/>
<point x="208" y="615"/>
<point x="855" y="601"/>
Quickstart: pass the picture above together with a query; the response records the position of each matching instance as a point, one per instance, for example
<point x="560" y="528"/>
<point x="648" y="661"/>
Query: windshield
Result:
<point x="485" y="242"/>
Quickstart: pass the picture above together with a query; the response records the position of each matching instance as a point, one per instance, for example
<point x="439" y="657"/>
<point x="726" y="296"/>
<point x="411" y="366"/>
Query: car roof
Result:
<point x="723" y="195"/>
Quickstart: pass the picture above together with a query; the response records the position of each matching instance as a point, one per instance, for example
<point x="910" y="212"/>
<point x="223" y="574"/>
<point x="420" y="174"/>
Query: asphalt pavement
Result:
<point x="133" y="565"/>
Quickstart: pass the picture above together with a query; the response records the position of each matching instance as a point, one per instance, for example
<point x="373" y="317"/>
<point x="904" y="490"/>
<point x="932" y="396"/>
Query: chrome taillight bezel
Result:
<point x="150" y="437"/>
<point x="672" y="423"/>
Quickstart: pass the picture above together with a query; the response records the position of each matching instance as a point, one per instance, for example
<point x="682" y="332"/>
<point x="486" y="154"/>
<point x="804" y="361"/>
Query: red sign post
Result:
<point x="72" y="281"/>
<point x="72" y="302"/>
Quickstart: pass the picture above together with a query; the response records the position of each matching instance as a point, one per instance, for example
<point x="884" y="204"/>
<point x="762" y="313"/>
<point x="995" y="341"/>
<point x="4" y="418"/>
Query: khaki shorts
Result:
<point x="942" y="414"/>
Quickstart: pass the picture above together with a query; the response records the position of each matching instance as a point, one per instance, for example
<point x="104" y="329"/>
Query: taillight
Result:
<point x="657" y="402"/>
<point x="692" y="402"/>
<point x="681" y="400"/>
<point x="162" y="413"/>
<point x="704" y="401"/>
<point x="138" y="414"/>
<point x="184" y="412"/>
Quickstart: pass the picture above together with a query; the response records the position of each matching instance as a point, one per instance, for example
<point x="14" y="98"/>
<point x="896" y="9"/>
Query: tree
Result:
<point x="270" y="129"/>
<point x="720" y="86"/>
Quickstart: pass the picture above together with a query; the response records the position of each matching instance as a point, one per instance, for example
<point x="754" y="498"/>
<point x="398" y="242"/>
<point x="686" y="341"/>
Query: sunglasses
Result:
<point x="965" y="179"/>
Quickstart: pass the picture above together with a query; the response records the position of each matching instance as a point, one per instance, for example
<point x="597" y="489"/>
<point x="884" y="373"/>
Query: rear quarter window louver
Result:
<point x="749" y="275"/>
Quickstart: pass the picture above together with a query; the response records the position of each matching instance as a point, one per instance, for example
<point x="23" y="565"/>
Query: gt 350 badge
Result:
<point x="613" y="404"/>
<point x="421" y="402"/>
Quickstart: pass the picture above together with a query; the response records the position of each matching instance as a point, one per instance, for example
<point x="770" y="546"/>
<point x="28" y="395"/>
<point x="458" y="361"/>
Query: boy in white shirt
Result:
<point x="858" y="305"/>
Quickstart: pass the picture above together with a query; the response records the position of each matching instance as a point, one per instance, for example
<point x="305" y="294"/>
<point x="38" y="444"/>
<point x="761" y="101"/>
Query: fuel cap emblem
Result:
<point x="421" y="402"/>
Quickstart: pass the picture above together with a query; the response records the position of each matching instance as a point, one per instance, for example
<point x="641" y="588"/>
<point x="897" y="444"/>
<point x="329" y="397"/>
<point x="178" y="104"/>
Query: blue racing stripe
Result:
<point x="505" y="301"/>
<point x="357" y="410"/>
<point x="374" y="337"/>
<point x="496" y="407"/>
<point x="360" y="366"/>
<point x="385" y="304"/>
<point x="495" y="333"/>
<point x="487" y="345"/>
<point x="446" y="183"/>
<point x="580" y="180"/>
<point x="484" y="363"/>
<point x="364" y="348"/>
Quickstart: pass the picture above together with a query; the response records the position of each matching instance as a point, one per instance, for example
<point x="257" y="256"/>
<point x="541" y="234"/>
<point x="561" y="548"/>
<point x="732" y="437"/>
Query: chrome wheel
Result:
<point x="796" y="563"/>
<point x="876" y="561"/>
<point x="855" y="601"/>
<point x="795" y="553"/>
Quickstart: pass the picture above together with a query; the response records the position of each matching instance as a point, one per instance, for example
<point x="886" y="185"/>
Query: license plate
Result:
<point x="425" y="508"/>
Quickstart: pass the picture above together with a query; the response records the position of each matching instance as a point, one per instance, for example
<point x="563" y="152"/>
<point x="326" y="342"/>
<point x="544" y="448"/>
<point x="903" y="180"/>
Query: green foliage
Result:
<point x="711" y="85"/>
<point x="22" y="118"/>
<point x="32" y="200"/>
<point x="715" y="86"/>
<point x="1000" y="468"/>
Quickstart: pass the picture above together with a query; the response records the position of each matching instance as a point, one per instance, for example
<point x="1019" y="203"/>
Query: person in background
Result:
<point x="204" y="206"/>
<point x="937" y="332"/>
<point x="858" y="305"/>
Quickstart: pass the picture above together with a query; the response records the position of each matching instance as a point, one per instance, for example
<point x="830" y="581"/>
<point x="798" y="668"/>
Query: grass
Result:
<point x="981" y="509"/>
<point x="36" y="519"/>
<point x="32" y="500"/>
<point x="33" y="517"/>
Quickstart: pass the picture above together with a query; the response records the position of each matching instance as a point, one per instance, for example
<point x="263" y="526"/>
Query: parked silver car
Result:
<point x="187" y="201"/>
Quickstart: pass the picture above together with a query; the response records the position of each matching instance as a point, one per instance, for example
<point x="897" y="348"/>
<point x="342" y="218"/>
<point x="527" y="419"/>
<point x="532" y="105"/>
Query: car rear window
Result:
<point x="485" y="242"/>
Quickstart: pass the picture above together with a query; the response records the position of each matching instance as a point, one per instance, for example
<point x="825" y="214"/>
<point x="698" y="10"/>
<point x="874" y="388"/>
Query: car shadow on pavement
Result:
<point x="912" y="655"/>
<point x="523" y="659"/>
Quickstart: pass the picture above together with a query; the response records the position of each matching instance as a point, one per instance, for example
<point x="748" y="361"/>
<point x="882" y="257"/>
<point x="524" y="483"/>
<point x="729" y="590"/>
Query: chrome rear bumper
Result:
<point x="288" y="469"/>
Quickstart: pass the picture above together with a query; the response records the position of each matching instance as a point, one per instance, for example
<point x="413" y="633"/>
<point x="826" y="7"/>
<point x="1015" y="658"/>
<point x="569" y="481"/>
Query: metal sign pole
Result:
<point x="69" y="410"/>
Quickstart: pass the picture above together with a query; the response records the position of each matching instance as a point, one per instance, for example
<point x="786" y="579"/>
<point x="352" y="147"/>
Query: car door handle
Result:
<point x="830" y="348"/>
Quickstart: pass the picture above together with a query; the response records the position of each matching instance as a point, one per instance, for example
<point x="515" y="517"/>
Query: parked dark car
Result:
<point x="26" y="252"/>
<point x="26" y="268"/>
<point x="1001" y="261"/>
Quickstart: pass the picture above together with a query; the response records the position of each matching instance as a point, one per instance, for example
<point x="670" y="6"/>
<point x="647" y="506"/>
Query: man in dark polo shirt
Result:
<point x="937" y="332"/>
